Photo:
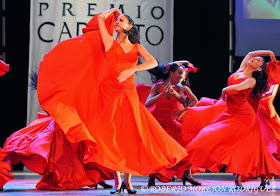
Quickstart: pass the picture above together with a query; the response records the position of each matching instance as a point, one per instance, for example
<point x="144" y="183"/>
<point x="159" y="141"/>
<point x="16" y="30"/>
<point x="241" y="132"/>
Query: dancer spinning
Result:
<point x="235" y="139"/>
<point x="98" y="103"/>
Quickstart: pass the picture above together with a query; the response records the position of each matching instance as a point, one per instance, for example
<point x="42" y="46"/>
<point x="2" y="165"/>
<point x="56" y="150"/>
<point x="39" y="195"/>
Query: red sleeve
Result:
<point x="273" y="72"/>
<point x="92" y="25"/>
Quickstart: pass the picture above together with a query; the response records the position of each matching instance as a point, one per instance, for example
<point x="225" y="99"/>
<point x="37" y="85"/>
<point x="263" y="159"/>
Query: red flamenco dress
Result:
<point x="270" y="124"/>
<point x="164" y="111"/>
<point x="269" y="119"/>
<point x="78" y="87"/>
<point x="207" y="110"/>
<point x="43" y="148"/>
<point x="196" y="118"/>
<point x="234" y="139"/>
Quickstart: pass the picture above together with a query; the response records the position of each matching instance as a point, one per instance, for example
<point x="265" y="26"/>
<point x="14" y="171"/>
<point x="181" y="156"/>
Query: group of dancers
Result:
<point x="99" y="124"/>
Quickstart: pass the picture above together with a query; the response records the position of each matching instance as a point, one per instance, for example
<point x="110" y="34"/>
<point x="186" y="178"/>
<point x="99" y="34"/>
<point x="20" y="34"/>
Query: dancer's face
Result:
<point x="122" y="23"/>
<point x="177" y="75"/>
<point x="255" y="63"/>
<point x="184" y="76"/>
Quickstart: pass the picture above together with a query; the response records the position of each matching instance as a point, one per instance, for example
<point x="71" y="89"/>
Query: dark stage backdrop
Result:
<point x="13" y="97"/>
<point x="201" y="35"/>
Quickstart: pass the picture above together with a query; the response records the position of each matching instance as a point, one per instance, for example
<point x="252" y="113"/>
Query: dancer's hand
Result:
<point x="168" y="90"/>
<point x="171" y="89"/>
<point x="125" y="74"/>
<point x="165" y="89"/>
<point x="184" y="62"/>
<point x="117" y="12"/>
<point x="188" y="64"/>
<point x="224" y="95"/>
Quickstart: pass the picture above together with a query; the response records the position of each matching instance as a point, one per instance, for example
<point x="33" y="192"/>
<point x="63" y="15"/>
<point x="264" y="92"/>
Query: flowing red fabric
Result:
<point x="164" y="111"/>
<point x="4" y="68"/>
<point x="43" y="148"/>
<point x="196" y="118"/>
<point x="143" y="92"/>
<point x="234" y="139"/>
<point x="207" y="110"/>
<point x="273" y="72"/>
<point x="78" y="87"/>
<point x="270" y="124"/>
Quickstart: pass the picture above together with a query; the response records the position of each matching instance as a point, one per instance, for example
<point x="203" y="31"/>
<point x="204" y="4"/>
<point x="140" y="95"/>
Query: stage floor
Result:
<point x="212" y="184"/>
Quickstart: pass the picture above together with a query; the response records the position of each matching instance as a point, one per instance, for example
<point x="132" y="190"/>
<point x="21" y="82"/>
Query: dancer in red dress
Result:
<point x="191" y="99"/>
<point x="165" y="97"/>
<point x="234" y="139"/>
<point x="92" y="97"/>
<point x="270" y="121"/>
<point x="207" y="110"/>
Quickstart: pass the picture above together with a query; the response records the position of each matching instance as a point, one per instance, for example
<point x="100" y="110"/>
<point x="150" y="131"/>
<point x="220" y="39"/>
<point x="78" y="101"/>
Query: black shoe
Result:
<point x="151" y="184"/>
<point x="124" y="187"/>
<point x="262" y="186"/>
<point x="116" y="191"/>
<point x="190" y="180"/>
<point x="151" y="181"/>
<point x="104" y="185"/>
<point x="131" y="191"/>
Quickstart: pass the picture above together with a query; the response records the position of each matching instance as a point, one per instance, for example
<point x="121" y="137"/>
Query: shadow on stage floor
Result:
<point x="212" y="184"/>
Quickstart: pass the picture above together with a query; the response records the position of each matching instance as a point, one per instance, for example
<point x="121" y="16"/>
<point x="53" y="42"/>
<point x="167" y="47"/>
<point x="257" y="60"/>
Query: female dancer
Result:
<point x="191" y="99"/>
<point x="234" y="139"/>
<point x="164" y="97"/>
<point x="98" y="103"/>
